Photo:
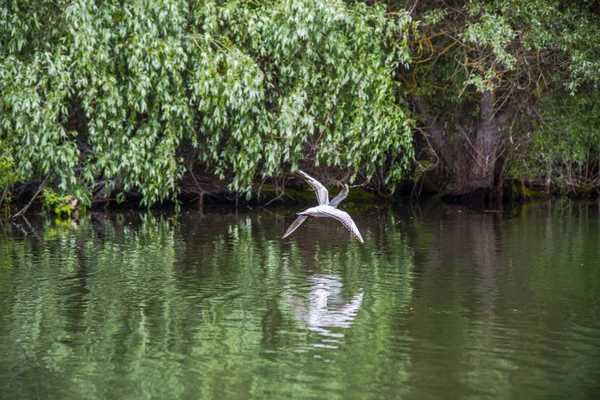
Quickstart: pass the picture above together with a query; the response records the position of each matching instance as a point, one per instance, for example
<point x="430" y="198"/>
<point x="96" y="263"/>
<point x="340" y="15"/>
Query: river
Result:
<point x="440" y="302"/>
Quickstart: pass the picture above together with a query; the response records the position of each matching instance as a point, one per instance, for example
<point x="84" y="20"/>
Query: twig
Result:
<point x="24" y="209"/>
<point x="272" y="200"/>
<point x="3" y="195"/>
<point x="201" y="198"/>
<point x="259" y="189"/>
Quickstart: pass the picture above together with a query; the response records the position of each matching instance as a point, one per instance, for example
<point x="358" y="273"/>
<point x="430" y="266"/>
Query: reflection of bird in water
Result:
<point x="325" y="208"/>
<point x="318" y="317"/>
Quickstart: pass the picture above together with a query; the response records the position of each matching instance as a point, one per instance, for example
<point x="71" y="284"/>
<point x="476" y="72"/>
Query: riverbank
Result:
<point x="514" y="196"/>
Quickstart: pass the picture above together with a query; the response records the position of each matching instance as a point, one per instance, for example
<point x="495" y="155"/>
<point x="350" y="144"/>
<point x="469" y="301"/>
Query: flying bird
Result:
<point x="325" y="208"/>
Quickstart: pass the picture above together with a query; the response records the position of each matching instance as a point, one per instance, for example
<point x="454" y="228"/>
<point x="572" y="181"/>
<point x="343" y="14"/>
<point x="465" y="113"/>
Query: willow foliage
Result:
<point x="104" y="97"/>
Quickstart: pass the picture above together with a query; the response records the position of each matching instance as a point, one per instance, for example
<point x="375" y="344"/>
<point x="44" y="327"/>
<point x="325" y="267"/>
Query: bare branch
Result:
<point x="24" y="209"/>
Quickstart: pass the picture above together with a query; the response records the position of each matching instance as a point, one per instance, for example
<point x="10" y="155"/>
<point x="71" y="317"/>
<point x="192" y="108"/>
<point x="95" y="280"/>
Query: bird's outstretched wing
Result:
<point x="346" y="220"/>
<point x="294" y="225"/>
<point x="340" y="197"/>
<point x="320" y="191"/>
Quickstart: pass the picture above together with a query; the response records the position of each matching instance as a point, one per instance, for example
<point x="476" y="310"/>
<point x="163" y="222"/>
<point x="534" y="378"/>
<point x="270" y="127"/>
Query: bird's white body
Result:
<point x="318" y="211"/>
<point x="325" y="209"/>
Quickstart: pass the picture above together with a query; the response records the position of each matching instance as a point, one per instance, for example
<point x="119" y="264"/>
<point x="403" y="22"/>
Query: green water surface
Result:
<point x="440" y="302"/>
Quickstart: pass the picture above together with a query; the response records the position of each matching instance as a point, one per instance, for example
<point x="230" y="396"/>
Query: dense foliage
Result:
<point x="479" y="72"/>
<point x="563" y="146"/>
<point x="99" y="100"/>
<point x="127" y="96"/>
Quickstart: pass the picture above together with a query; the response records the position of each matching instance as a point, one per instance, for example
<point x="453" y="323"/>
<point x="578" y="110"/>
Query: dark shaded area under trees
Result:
<point x="180" y="99"/>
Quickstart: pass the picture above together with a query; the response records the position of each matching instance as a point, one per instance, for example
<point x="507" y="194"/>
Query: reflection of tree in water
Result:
<point x="216" y="306"/>
<point x="326" y="308"/>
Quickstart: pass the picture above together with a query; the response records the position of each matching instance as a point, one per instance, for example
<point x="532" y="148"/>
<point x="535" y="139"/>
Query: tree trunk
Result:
<point x="469" y="160"/>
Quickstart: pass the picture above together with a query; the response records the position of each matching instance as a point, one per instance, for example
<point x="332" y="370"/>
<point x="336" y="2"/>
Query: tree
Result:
<point x="479" y="66"/>
<point x="126" y="97"/>
<point x="112" y="98"/>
